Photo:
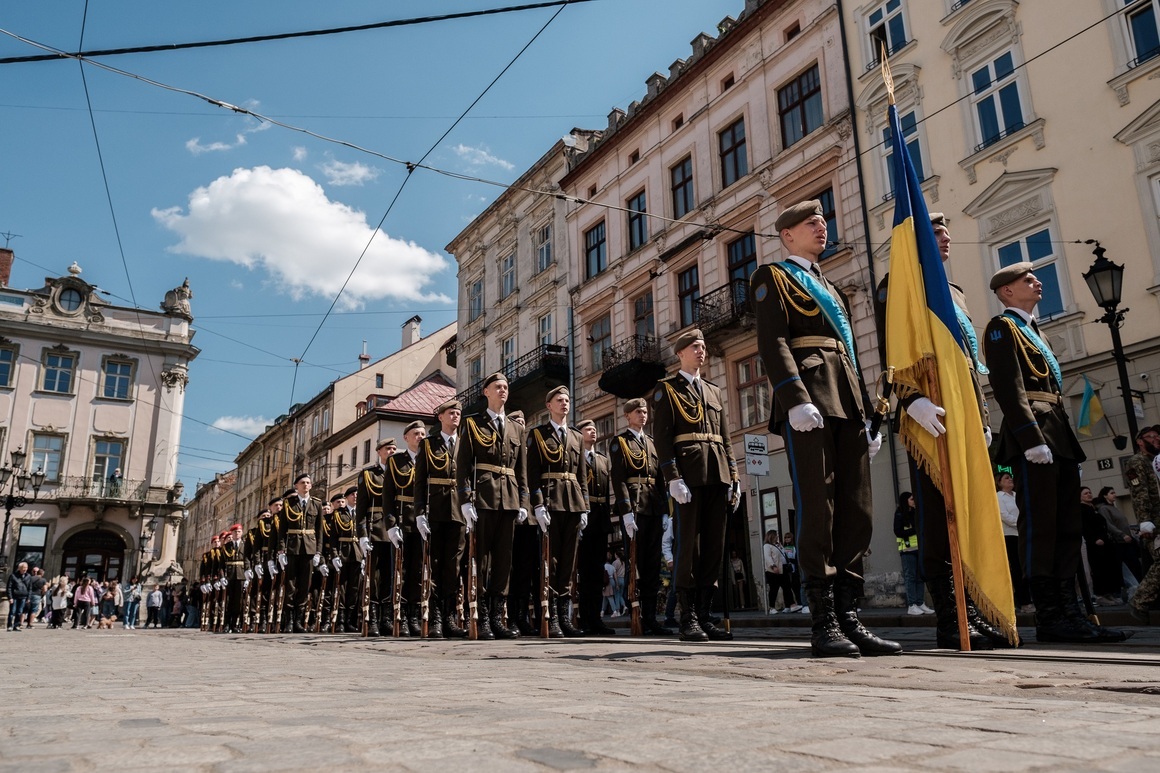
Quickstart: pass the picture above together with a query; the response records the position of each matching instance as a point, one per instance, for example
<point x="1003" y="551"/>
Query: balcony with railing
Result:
<point x="724" y="309"/>
<point x="81" y="488"/>
<point x="632" y="367"/>
<point x="547" y="362"/>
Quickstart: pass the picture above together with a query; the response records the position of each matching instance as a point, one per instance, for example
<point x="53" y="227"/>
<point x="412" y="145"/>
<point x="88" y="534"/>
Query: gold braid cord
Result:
<point x="694" y="416"/>
<point x="291" y="513"/>
<point x="483" y="440"/>
<point x="1026" y="347"/>
<point x="438" y="462"/>
<point x="326" y="526"/>
<point x="635" y="460"/>
<point x="401" y="482"/>
<point x="548" y="455"/>
<point x="343" y="525"/>
<point x="265" y="529"/>
<point x="369" y="481"/>
<point x="793" y="295"/>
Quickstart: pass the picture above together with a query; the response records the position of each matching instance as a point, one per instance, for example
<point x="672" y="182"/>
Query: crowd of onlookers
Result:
<point x="93" y="603"/>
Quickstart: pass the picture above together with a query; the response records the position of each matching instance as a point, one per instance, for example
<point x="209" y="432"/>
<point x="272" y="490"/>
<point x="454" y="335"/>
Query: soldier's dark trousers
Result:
<point x="1050" y="522"/>
<point x="447" y="543"/>
<point x="493" y="549"/>
<point x="699" y="537"/>
<point x="563" y="541"/>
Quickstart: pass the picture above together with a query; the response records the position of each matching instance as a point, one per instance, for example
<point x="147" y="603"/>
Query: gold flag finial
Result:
<point x="886" y="77"/>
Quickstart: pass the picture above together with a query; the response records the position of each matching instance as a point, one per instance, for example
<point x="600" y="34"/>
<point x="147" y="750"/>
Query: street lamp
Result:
<point x="14" y="496"/>
<point x="1105" y="279"/>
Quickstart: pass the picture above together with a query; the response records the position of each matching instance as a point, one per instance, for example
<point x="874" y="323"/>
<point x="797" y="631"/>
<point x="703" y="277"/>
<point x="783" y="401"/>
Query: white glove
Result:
<point x="336" y="562"/>
<point x="249" y="575"/>
<point x="316" y="560"/>
<point x="273" y="568"/>
<point x="324" y="570"/>
<point x="628" y="520"/>
<point x="258" y="570"/>
<point x="469" y="514"/>
<point x="875" y="443"/>
<point x="522" y="515"/>
<point x="543" y="518"/>
<point x="395" y="535"/>
<point x="424" y="526"/>
<point x="804" y="417"/>
<point x="735" y="494"/>
<point x="365" y="544"/>
<point x="282" y="560"/>
<point x="680" y="492"/>
<point x="1041" y="454"/>
<point x="927" y="415"/>
<point x="245" y="584"/>
<point x="987" y="435"/>
<point x="583" y="521"/>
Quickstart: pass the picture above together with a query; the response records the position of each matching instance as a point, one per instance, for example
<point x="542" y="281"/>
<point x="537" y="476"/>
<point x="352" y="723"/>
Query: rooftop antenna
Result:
<point x="8" y="237"/>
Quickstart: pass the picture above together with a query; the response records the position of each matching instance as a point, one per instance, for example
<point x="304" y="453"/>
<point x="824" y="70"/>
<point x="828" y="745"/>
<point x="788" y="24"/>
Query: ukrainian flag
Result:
<point x="1091" y="410"/>
<point x="930" y="353"/>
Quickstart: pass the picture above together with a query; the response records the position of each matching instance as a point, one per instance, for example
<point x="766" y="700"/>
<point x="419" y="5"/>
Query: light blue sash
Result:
<point x="969" y="333"/>
<point x="1041" y="345"/>
<point x="831" y="309"/>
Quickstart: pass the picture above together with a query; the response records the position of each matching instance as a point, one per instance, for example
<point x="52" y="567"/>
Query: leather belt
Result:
<point x="698" y="437"/>
<point x="1044" y="397"/>
<point x="497" y="469"/>
<point x="442" y="481"/>
<point x="403" y="498"/>
<point x="558" y="475"/>
<point x="347" y="539"/>
<point x="640" y="481"/>
<point x="376" y="509"/>
<point x="235" y="563"/>
<point x="297" y="531"/>
<point x="816" y="342"/>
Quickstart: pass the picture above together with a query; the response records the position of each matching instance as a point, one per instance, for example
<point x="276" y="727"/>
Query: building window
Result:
<point x="998" y="104"/>
<point x="378" y="381"/>
<point x="734" y="163"/>
<point x="507" y="353"/>
<point x="1038" y="249"/>
<point x="913" y="146"/>
<point x="47" y="452"/>
<point x="70" y="300"/>
<point x="682" y="187"/>
<point x="30" y="545"/>
<point x="753" y="395"/>
<point x="800" y="106"/>
<point x="7" y="365"/>
<point x="642" y="315"/>
<point x="475" y="300"/>
<point x="600" y="337"/>
<point x="108" y="456"/>
<point x="366" y="452"/>
<point x="507" y="276"/>
<point x="1140" y="23"/>
<point x="887" y="29"/>
<point x="475" y="370"/>
<point x="595" y="250"/>
<point x="727" y="82"/>
<point x="794" y="30"/>
<point x="688" y="291"/>
<point x="58" y="372"/>
<point x="353" y="457"/>
<point x="341" y="463"/>
<point x="546" y="335"/>
<point x="605" y="430"/>
<point x="637" y="221"/>
<point x="325" y="419"/>
<point x="315" y="423"/>
<point x="633" y="157"/>
<point x="544" y="248"/>
<point x="118" y="378"/>
<point x="829" y="211"/>
<point x="742" y="257"/>
<point x="679" y="121"/>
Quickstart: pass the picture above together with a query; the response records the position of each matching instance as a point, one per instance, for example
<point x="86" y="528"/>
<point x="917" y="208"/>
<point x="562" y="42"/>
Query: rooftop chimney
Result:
<point x="364" y="359"/>
<point x="6" y="256"/>
<point x="411" y="332"/>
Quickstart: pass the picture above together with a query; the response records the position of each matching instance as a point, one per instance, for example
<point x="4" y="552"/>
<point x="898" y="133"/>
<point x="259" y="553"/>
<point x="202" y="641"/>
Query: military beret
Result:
<point x="337" y="498"/>
<point x="687" y="339"/>
<point x="387" y="441"/>
<point x="494" y="377"/>
<point x="290" y="493"/>
<point x="634" y="403"/>
<point x="301" y="475"/>
<point x="236" y="527"/>
<point x="1009" y="274"/>
<point x="265" y="513"/>
<point x="449" y="406"/>
<point x="216" y="538"/>
<point x="224" y="534"/>
<point x="938" y="218"/>
<point x="791" y="216"/>
<point x="560" y="390"/>
<point x="516" y="416"/>
<point x="586" y="423"/>
<point x="417" y="424"/>
<point x="351" y="490"/>
<point x="273" y="500"/>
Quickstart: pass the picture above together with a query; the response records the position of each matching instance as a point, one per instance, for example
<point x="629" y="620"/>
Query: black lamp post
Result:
<point x="1105" y="279"/>
<point x="14" y="497"/>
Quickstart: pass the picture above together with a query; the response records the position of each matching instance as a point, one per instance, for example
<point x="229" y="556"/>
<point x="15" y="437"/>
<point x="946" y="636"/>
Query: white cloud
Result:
<point x="251" y="426"/>
<point x="299" y="153"/>
<point x="340" y="173"/>
<point x="195" y="147"/>
<point x="480" y="157"/>
<point x="280" y="221"/>
<point x="237" y="284"/>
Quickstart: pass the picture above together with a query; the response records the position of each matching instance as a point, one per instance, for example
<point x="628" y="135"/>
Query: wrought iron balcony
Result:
<point x="636" y="347"/>
<point x="545" y="361"/>
<point x="81" y="487"/>
<point x="727" y="306"/>
<point x="632" y="366"/>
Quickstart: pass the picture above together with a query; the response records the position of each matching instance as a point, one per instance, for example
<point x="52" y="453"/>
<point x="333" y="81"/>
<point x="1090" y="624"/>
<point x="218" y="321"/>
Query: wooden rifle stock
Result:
<point x="334" y="599"/>
<point x="425" y="587"/>
<point x="472" y="589"/>
<point x="633" y="592"/>
<point x="321" y="598"/>
<point x="397" y="594"/>
<point x="545" y="579"/>
<point x="368" y="580"/>
<point x="245" y="622"/>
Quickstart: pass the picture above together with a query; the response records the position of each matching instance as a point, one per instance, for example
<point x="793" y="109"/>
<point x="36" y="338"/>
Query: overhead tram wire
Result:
<point x="166" y="47"/>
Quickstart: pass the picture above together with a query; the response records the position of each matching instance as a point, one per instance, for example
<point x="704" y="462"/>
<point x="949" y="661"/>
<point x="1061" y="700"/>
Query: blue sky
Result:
<point x="267" y="222"/>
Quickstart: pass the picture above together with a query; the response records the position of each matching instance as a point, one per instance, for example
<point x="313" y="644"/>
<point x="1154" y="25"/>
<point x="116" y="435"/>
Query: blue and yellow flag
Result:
<point x="926" y="346"/>
<point x="1091" y="410"/>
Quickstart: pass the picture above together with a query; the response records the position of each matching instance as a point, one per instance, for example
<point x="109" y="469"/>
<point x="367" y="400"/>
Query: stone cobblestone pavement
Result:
<point x="186" y="701"/>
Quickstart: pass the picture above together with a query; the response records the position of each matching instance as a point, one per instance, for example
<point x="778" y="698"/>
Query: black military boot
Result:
<point x="451" y="629"/>
<point x="826" y="637"/>
<point x="1052" y="623"/>
<point x="571" y="631"/>
<point x="434" y="618"/>
<point x="846" y="609"/>
<point x="523" y="618"/>
<point x="387" y="620"/>
<point x="373" y="619"/>
<point x="414" y="626"/>
<point x="942" y="593"/>
<point x="983" y="626"/>
<point x="704" y="607"/>
<point x="690" y="628"/>
<point x="495" y="603"/>
<point x="351" y="622"/>
<point x="554" y="630"/>
<point x="300" y="618"/>
<point x="483" y="625"/>
<point x="1073" y="613"/>
<point x="648" y="615"/>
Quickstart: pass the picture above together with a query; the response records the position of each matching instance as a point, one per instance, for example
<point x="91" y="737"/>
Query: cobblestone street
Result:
<point x="177" y="700"/>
